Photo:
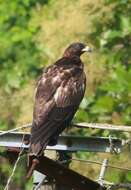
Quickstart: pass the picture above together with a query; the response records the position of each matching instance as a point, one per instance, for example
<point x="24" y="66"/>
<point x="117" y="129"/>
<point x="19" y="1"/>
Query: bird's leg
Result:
<point x="32" y="168"/>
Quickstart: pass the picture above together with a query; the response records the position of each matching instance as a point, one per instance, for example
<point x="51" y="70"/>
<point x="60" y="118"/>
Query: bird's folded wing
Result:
<point x="55" y="105"/>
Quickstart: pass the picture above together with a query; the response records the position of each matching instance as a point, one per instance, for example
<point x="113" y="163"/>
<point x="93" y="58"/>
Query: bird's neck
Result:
<point x="70" y="60"/>
<point x="75" y="60"/>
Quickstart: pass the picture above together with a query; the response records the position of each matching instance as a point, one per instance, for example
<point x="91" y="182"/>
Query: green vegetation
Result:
<point x="34" y="34"/>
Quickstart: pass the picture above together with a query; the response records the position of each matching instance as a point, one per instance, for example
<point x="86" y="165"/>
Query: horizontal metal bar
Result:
<point x="66" y="143"/>
<point x="101" y="126"/>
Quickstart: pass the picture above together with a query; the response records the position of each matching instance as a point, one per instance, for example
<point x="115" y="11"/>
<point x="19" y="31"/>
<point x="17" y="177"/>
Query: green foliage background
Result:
<point x="33" y="34"/>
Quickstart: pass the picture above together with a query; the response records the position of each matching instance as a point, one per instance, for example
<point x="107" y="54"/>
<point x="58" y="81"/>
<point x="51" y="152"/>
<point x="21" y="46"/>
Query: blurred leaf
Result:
<point x="81" y="115"/>
<point x="125" y="25"/>
<point x="104" y="104"/>
<point x="128" y="176"/>
<point x="111" y="34"/>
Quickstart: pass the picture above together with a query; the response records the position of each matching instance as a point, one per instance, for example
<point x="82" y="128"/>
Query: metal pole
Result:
<point x="102" y="172"/>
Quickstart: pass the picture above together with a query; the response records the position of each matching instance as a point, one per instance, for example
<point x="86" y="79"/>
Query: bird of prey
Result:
<point x="59" y="92"/>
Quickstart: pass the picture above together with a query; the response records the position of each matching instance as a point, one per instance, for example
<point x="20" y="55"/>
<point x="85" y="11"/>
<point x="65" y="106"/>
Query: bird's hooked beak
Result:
<point x="87" y="49"/>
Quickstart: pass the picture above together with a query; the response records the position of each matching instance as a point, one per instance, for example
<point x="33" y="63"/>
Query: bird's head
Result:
<point x="76" y="49"/>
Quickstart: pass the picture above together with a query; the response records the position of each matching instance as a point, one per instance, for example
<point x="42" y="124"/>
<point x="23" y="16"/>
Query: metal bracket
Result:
<point x="112" y="145"/>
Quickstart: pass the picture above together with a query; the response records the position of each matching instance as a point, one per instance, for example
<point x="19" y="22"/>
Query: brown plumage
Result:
<point x="59" y="93"/>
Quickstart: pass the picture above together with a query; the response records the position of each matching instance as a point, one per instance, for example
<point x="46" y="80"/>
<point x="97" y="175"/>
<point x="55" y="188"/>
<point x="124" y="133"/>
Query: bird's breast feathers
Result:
<point x="65" y="85"/>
